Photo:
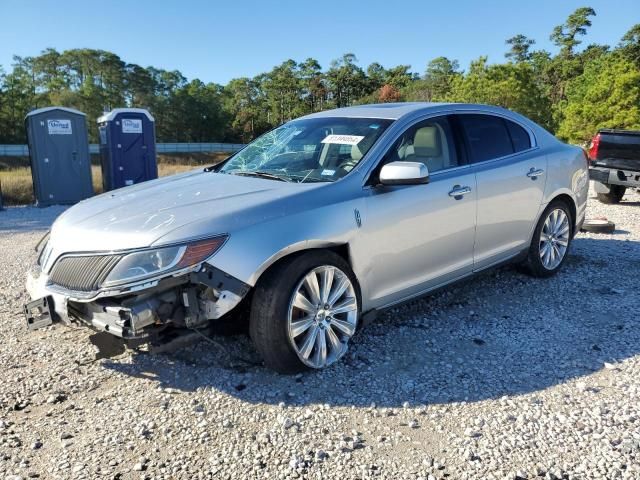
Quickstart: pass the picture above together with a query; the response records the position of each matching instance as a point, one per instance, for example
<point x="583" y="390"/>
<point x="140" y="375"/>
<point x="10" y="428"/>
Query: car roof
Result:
<point x="395" y="111"/>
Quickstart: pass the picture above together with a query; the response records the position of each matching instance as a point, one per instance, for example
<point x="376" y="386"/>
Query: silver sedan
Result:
<point x="316" y="226"/>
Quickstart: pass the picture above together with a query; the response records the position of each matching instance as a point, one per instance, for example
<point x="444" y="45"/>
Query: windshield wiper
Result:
<point x="258" y="173"/>
<point x="308" y="179"/>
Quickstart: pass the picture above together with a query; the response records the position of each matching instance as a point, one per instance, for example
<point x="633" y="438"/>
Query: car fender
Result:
<point x="249" y="252"/>
<point x="568" y="174"/>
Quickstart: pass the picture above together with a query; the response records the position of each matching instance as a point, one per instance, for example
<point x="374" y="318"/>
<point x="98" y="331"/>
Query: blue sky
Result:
<point x="217" y="41"/>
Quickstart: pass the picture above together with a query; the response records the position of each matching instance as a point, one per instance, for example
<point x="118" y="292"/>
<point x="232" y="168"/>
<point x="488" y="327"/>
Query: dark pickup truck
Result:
<point x="614" y="163"/>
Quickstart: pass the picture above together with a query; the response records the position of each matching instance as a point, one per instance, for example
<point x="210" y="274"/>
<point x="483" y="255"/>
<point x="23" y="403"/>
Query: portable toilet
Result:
<point x="59" y="152"/>
<point x="127" y="147"/>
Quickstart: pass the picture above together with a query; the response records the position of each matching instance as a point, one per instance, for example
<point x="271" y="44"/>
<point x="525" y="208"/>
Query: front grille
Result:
<point x="83" y="273"/>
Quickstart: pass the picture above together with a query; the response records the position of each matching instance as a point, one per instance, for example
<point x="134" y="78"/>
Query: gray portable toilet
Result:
<point x="59" y="152"/>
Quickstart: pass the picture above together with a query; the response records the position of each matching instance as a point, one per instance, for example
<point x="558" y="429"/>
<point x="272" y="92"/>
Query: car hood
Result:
<point x="171" y="209"/>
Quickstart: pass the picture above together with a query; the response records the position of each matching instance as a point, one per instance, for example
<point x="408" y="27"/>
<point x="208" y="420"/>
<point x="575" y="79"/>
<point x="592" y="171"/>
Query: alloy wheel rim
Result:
<point x="323" y="313"/>
<point x="554" y="239"/>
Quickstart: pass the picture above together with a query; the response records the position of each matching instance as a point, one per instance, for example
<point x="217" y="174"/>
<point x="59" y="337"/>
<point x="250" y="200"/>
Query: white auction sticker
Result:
<point x="131" y="125"/>
<point x="343" y="139"/>
<point x="59" y="127"/>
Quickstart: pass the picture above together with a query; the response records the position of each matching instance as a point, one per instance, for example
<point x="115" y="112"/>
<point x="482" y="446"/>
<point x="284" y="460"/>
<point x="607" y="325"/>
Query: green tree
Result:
<point x="314" y="90"/>
<point x="346" y="80"/>
<point x="398" y="77"/>
<point x="520" y="46"/>
<point x="20" y="96"/>
<point x="166" y="85"/>
<point x="376" y="76"/>
<point x="606" y="95"/>
<point x="4" y="120"/>
<point x="283" y="90"/>
<point x="436" y="83"/>
<point x="112" y="79"/>
<point x="49" y="70"/>
<point x="629" y="45"/>
<point x="386" y="85"/>
<point x="197" y="113"/>
<point x="592" y="52"/>
<point x="511" y="86"/>
<point x="139" y="87"/>
<point x="244" y="103"/>
<point x="566" y="36"/>
<point x="440" y="76"/>
<point x="568" y="64"/>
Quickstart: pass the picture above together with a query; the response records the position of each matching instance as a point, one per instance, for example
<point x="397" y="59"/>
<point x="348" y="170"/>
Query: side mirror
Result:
<point x="404" y="173"/>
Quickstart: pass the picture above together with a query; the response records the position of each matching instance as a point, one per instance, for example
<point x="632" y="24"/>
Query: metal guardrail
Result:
<point x="197" y="147"/>
<point x="14" y="150"/>
<point x="23" y="150"/>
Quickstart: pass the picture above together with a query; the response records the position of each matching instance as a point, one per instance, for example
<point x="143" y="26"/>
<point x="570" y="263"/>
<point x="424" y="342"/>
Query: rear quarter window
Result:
<point x="519" y="137"/>
<point x="487" y="137"/>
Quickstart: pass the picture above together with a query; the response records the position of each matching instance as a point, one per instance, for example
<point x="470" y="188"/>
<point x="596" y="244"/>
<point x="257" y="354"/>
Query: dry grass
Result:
<point x="17" y="186"/>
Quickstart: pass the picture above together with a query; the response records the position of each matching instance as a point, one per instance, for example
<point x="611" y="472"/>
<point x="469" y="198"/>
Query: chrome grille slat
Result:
<point x="82" y="273"/>
<point x="73" y="271"/>
<point x="108" y="267"/>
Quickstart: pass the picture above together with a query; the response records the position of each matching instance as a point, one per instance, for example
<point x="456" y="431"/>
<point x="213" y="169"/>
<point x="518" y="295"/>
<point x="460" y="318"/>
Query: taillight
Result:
<point x="593" y="148"/>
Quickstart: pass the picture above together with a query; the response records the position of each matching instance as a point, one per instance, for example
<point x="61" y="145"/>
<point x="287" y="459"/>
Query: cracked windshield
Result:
<point x="312" y="150"/>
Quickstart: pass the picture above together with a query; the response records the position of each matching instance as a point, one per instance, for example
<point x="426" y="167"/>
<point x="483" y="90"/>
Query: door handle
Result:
<point x="534" y="173"/>
<point x="458" y="192"/>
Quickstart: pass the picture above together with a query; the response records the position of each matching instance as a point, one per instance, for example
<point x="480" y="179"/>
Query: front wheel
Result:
<point x="304" y="312"/>
<point x="551" y="239"/>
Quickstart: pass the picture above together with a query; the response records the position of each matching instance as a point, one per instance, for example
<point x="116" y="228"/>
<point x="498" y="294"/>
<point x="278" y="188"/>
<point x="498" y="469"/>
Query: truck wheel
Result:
<point x="616" y="192"/>
<point x="304" y="312"/>
<point x="551" y="239"/>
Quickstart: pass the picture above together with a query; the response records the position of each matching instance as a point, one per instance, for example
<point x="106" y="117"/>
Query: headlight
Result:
<point x="43" y="249"/>
<point x="146" y="263"/>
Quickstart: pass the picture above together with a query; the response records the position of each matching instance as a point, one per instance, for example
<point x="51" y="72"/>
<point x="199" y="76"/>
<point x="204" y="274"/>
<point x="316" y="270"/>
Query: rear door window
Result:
<point x="487" y="137"/>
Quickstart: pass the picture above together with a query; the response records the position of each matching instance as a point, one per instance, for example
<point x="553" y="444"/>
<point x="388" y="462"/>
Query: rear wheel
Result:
<point x="551" y="240"/>
<point x="616" y="192"/>
<point x="304" y="312"/>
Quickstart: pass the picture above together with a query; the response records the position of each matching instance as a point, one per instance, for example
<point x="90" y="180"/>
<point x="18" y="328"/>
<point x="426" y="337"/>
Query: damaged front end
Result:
<point x="190" y="301"/>
<point x="133" y="294"/>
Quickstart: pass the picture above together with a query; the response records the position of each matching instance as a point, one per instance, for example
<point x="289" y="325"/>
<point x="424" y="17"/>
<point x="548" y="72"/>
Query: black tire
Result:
<point x="268" y="327"/>
<point x="533" y="264"/>
<point x="616" y="192"/>
<point x="598" y="226"/>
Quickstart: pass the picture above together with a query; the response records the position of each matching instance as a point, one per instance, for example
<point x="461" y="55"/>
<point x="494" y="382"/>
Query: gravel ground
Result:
<point x="501" y="377"/>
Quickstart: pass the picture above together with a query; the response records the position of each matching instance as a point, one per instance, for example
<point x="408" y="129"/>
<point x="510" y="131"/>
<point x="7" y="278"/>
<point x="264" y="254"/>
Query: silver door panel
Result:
<point x="419" y="236"/>
<point x="510" y="193"/>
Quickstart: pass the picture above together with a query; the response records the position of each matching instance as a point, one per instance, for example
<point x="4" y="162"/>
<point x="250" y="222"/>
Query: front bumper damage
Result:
<point x="141" y="311"/>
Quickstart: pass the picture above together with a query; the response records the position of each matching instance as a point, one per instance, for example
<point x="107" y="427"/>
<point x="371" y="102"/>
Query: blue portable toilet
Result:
<point x="127" y="147"/>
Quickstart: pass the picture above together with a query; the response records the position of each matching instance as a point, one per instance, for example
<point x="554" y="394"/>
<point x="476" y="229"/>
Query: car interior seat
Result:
<point x="354" y="157"/>
<point x="429" y="148"/>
